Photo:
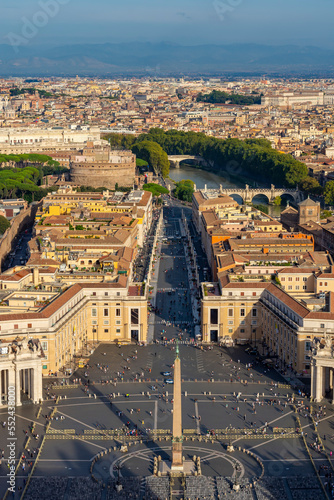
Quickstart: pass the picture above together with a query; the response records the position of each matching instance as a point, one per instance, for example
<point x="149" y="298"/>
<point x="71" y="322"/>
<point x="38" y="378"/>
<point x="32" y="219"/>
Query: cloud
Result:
<point x="184" y="15"/>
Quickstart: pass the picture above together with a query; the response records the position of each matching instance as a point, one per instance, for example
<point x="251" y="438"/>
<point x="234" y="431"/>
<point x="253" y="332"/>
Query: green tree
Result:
<point x="329" y="193"/>
<point x="155" y="189"/>
<point x="218" y="97"/>
<point x="278" y="201"/>
<point x="325" y="214"/>
<point x="153" y="153"/>
<point x="311" y="186"/>
<point x="4" y="224"/>
<point x="184" y="190"/>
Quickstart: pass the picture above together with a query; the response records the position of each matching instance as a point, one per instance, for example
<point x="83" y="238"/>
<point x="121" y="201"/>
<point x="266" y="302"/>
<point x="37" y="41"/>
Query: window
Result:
<point x="283" y="279"/>
<point x="297" y="287"/>
<point x="29" y="325"/>
<point x="106" y="322"/>
<point x="304" y="287"/>
<point x="94" y="312"/>
<point x="16" y="327"/>
<point x="297" y="279"/>
<point x="94" y="294"/>
<point x="242" y="322"/>
<point x="118" y="322"/>
<point x="322" y="325"/>
<point x="44" y="345"/>
<point x="105" y="312"/>
<point x="289" y="279"/>
<point x="230" y="312"/>
<point x="214" y="316"/>
<point x="307" y="345"/>
<point x="118" y="294"/>
<point x="106" y="330"/>
<point x="118" y="312"/>
<point x="290" y="287"/>
<point x="230" y="294"/>
<point x="254" y="312"/>
<point x="106" y="294"/>
<point x="134" y="316"/>
<point x="94" y="322"/>
<point x="118" y="330"/>
<point x="242" y="312"/>
<point x="254" y="294"/>
<point x="254" y="322"/>
<point x="230" y="330"/>
<point x="230" y="322"/>
<point x="325" y="284"/>
<point x="304" y="279"/>
<point x="242" y="330"/>
<point x="242" y="294"/>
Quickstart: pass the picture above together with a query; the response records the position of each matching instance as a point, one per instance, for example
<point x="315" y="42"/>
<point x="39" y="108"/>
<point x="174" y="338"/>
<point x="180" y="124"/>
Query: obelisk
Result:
<point x="177" y="459"/>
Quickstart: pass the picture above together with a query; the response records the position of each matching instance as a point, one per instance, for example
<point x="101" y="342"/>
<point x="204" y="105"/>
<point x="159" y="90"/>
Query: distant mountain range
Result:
<point x="162" y="59"/>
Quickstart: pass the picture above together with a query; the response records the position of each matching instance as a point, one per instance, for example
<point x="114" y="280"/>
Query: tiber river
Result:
<point x="201" y="177"/>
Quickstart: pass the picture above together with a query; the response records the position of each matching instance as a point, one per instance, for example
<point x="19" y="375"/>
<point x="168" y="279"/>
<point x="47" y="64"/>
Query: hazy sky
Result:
<point x="304" y="22"/>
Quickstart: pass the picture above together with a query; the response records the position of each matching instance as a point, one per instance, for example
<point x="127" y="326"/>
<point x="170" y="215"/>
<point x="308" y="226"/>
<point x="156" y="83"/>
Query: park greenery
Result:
<point x="325" y="214"/>
<point x="252" y="158"/>
<point x="25" y="179"/>
<point x="262" y="208"/>
<point x="218" y="97"/>
<point x="184" y="190"/>
<point x="4" y="224"/>
<point x="14" y="91"/>
<point x="329" y="193"/>
<point x="155" y="189"/>
<point x="153" y="153"/>
<point x="141" y="163"/>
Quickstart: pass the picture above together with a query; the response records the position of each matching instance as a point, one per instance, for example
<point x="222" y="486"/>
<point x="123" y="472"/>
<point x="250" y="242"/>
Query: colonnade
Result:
<point x="321" y="379"/>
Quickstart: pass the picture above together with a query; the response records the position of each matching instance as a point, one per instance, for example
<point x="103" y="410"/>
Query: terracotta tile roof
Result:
<point x="16" y="276"/>
<point x="290" y="302"/>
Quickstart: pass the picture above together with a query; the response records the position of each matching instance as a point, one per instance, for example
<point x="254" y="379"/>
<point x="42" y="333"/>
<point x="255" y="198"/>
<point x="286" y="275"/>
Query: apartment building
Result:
<point x="66" y="320"/>
<point x="268" y="317"/>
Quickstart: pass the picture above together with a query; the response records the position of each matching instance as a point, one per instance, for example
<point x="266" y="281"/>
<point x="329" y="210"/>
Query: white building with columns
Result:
<point x="21" y="370"/>
<point x="322" y="367"/>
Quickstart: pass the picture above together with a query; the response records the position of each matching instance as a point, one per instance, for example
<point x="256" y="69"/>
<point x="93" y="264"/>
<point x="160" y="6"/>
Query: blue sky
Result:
<point x="303" y="22"/>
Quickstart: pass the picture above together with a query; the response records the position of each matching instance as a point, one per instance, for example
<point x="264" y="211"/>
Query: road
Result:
<point x="20" y="253"/>
<point x="173" y="315"/>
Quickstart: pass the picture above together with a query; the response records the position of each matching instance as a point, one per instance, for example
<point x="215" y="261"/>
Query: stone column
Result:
<point x="327" y="378"/>
<point x="37" y="383"/>
<point x="30" y="391"/>
<point x="18" y="386"/>
<point x="319" y="391"/>
<point x="177" y="458"/>
<point x="313" y="381"/>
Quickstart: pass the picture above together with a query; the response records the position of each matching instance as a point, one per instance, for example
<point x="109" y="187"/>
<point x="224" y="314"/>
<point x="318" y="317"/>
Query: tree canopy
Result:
<point x="329" y="193"/>
<point x="184" y="190"/>
<point x="252" y="157"/>
<point x="4" y="224"/>
<point x="153" y="153"/>
<point x="219" y="97"/>
<point x="155" y="189"/>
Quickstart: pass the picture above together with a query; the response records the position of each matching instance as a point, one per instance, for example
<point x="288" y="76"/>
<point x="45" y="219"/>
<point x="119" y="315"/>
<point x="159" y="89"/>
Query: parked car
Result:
<point x="169" y="381"/>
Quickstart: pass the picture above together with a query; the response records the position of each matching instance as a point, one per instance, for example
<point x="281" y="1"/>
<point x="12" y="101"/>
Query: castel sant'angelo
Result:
<point x="98" y="165"/>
